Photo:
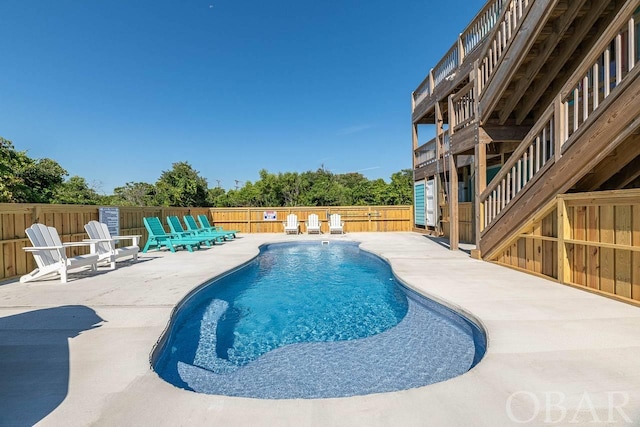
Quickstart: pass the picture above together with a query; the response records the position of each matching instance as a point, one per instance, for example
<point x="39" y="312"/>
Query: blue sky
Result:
<point x="118" y="90"/>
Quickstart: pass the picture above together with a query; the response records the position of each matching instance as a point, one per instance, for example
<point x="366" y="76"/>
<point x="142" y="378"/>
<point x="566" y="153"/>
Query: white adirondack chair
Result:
<point x="313" y="224"/>
<point x="50" y="254"/>
<point x="335" y="224"/>
<point x="105" y="243"/>
<point x="291" y="226"/>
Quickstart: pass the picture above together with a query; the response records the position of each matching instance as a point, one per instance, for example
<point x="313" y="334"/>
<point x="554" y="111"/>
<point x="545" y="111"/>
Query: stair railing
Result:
<point x="611" y="60"/>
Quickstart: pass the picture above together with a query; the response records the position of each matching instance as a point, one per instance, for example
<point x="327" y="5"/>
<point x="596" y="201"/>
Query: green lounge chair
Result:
<point x="176" y="228"/>
<point x="204" y="223"/>
<point x="192" y="226"/>
<point x="160" y="238"/>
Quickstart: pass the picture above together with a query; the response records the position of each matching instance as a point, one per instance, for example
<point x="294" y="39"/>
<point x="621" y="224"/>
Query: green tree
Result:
<point x="357" y="189"/>
<point x="25" y="180"/>
<point x="41" y="178"/>
<point x="216" y="197"/>
<point x="269" y="189"/>
<point x="292" y="186"/>
<point x="11" y="161"/>
<point x="324" y="189"/>
<point x="76" y="191"/>
<point x="134" y="194"/>
<point x="181" y="186"/>
<point x="401" y="188"/>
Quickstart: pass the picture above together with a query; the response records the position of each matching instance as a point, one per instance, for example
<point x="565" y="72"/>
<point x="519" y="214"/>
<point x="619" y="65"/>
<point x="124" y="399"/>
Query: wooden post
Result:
<point x="415" y="143"/>
<point x="480" y="157"/>
<point x="452" y="118"/>
<point x="439" y="123"/>
<point x="454" y="232"/>
<point x="431" y="81"/>
<point x="35" y="214"/>
<point x="439" y="155"/>
<point x="558" y="127"/>
<point x="564" y="232"/>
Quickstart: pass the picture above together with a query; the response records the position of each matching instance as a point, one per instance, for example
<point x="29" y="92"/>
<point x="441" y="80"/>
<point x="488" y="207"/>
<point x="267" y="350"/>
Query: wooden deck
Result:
<point x="546" y="104"/>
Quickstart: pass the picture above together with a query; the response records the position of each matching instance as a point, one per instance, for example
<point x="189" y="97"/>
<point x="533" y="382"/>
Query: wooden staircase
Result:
<point x="548" y="92"/>
<point x="593" y="115"/>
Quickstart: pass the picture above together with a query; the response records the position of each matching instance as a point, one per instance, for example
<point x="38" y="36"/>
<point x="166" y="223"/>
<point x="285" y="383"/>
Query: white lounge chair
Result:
<point x="50" y="254"/>
<point x="335" y="224"/>
<point x="105" y="243"/>
<point x="313" y="224"/>
<point x="291" y="226"/>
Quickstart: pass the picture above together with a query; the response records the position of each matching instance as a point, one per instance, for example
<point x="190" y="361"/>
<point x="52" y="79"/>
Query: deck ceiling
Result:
<point x="566" y="36"/>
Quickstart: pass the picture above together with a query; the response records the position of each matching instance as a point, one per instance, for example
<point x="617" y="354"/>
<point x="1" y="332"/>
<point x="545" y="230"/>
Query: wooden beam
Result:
<point x="415" y="144"/>
<point x="425" y="171"/>
<point x="560" y="27"/>
<point x="480" y="184"/>
<point x="625" y="176"/>
<point x="464" y="139"/>
<point x="454" y="227"/>
<point x="490" y="133"/>
<point x="439" y="123"/>
<point x="566" y="49"/>
<point x="612" y="165"/>
<point x="564" y="231"/>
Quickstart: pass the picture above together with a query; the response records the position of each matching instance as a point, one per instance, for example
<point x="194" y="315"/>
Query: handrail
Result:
<point x="447" y="64"/>
<point x="601" y="71"/>
<point x="533" y="153"/>
<point x="481" y="25"/>
<point x="511" y="18"/>
<point x="471" y="37"/>
<point x="432" y="141"/>
<point x="565" y="116"/>
<point x="463" y="107"/>
<point x="425" y="154"/>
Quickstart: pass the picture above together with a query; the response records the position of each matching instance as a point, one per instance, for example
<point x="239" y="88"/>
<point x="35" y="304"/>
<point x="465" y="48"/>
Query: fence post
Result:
<point x="35" y="214"/>
<point x="558" y="127"/>
<point x="564" y="230"/>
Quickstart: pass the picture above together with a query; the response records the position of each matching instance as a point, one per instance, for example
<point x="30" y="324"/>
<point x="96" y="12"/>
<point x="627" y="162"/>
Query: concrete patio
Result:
<point x="78" y="354"/>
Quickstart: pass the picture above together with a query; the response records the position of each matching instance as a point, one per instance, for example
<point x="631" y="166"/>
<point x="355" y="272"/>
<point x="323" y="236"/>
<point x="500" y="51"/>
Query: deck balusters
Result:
<point x="508" y="24"/>
<point x="470" y="39"/>
<point x="576" y="105"/>
<point x="591" y="89"/>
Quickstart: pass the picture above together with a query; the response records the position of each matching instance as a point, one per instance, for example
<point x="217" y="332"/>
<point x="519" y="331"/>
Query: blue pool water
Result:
<point x="307" y="320"/>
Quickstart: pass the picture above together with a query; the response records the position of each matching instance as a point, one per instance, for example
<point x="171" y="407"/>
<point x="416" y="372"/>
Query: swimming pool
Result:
<point x="307" y="320"/>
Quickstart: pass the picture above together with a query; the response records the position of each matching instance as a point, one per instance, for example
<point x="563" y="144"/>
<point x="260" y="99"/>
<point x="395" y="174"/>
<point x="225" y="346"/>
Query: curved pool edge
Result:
<point x="544" y="337"/>
<point x="462" y="311"/>
<point x="158" y="347"/>
<point x="456" y="308"/>
<point x="479" y="330"/>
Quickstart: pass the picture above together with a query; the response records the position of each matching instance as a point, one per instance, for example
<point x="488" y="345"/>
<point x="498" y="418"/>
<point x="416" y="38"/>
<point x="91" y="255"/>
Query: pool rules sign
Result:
<point x="111" y="217"/>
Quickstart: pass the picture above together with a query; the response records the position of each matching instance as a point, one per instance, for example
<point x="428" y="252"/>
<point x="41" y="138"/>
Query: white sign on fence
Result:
<point x="111" y="217"/>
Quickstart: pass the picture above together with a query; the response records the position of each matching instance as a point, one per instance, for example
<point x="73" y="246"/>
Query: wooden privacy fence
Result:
<point x="356" y="218"/>
<point x="69" y="220"/>
<point x="590" y="240"/>
<point x="465" y="221"/>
